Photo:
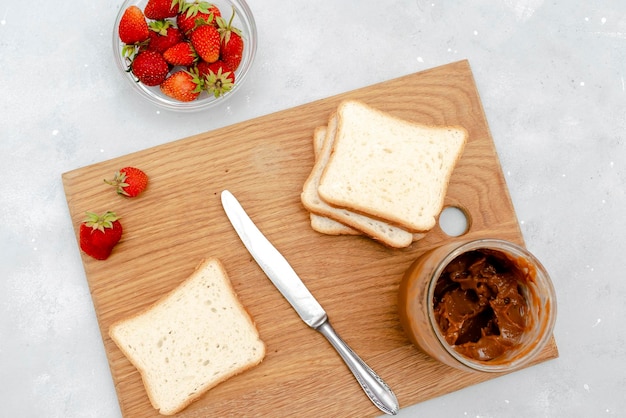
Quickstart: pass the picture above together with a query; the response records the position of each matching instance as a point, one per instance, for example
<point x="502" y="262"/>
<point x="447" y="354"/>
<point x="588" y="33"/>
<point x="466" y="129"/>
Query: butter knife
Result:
<point x="280" y="272"/>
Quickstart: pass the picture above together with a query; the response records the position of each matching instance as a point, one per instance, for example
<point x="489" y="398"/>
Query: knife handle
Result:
<point x="374" y="387"/>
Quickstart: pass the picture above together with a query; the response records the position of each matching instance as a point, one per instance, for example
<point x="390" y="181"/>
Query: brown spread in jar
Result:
<point x="479" y="304"/>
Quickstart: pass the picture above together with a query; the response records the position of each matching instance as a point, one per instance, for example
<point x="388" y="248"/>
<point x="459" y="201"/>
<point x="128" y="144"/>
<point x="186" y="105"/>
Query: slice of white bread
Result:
<point x="374" y="228"/>
<point x="192" y="339"/>
<point x="390" y="168"/>
<point x="319" y="135"/>
<point x="328" y="226"/>
<point x="324" y="224"/>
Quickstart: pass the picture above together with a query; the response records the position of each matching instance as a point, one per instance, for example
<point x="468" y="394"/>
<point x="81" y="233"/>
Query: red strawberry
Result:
<point x="150" y="68"/>
<point x="99" y="234"/>
<point x="204" y="68"/>
<point x="133" y="26"/>
<point x="181" y="54"/>
<point x="231" y="49"/>
<point x="191" y="13"/>
<point x="160" y="9"/>
<point x="219" y="81"/>
<point x="129" y="181"/>
<point x="163" y="35"/>
<point x="206" y="41"/>
<point x="183" y="85"/>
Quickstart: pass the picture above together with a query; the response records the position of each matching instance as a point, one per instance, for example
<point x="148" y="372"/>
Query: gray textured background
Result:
<point x="552" y="81"/>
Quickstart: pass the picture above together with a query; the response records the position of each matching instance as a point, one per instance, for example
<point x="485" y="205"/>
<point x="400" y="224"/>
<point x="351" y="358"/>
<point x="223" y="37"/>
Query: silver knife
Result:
<point x="280" y="272"/>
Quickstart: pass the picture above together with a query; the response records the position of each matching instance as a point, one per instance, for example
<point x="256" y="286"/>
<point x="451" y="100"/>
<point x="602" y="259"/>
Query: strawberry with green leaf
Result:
<point x="160" y="9"/>
<point x="219" y="82"/>
<point x="205" y="68"/>
<point x="184" y="86"/>
<point x="231" y="47"/>
<point x="129" y="181"/>
<point x="191" y="14"/>
<point x="98" y="234"/>
<point x="163" y="35"/>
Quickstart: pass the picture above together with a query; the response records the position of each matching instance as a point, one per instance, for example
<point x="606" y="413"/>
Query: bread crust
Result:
<point x="320" y="223"/>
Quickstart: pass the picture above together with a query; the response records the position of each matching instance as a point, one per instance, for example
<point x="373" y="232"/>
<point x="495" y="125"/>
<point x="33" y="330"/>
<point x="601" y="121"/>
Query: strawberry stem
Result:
<point x="95" y="221"/>
<point x="119" y="182"/>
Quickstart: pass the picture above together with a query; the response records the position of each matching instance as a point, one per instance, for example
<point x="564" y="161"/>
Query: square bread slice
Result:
<point x="192" y="339"/>
<point x="390" y="168"/>
<point x="324" y="224"/>
<point x="376" y="229"/>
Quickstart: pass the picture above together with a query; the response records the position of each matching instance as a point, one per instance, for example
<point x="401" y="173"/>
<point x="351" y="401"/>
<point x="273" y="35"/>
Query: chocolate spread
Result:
<point x="479" y="305"/>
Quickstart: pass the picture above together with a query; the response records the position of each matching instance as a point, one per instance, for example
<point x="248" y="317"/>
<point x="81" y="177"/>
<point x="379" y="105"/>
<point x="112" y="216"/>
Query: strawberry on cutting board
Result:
<point x="99" y="234"/>
<point x="129" y="181"/>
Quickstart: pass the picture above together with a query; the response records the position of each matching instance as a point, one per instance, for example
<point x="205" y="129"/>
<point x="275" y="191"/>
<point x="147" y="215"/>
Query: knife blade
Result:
<point x="286" y="280"/>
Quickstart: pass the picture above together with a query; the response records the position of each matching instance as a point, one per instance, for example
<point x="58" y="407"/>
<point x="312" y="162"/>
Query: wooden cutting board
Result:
<point x="179" y="220"/>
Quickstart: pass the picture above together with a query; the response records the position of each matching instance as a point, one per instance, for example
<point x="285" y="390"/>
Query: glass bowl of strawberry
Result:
<point x="184" y="55"/>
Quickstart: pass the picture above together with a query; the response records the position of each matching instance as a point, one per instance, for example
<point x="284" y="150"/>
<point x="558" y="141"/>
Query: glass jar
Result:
<point x="418" y="315"/>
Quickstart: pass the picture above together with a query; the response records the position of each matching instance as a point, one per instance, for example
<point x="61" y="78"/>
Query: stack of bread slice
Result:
<point x="378" y="175"/>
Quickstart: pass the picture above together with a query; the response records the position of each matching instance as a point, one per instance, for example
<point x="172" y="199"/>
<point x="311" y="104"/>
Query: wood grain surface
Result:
<point x="264" y="162"/>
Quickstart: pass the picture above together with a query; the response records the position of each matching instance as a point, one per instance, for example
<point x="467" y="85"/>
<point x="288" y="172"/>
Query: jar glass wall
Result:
<point x="422" y="322"/>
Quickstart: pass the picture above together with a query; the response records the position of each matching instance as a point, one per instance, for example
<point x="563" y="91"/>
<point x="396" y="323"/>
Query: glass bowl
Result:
<point x="243" y="20"/>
